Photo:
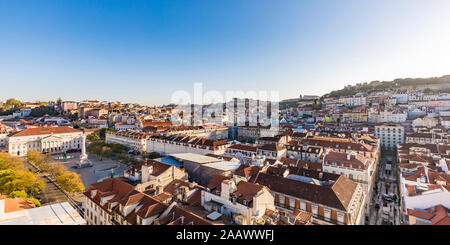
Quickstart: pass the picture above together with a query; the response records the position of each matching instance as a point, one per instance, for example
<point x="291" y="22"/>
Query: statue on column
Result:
<point x="84" y="161"/>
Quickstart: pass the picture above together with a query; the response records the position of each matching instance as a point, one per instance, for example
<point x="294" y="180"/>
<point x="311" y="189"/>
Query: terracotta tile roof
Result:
<point x="343" y="157"/>
<point x="114" y="186"/>
<point x="301" y="164"/>
<point x="246" y="191"/>
<point x="311" y="173"/>
<point x="158" y="167"/>
<point x="302" y="217"/>
<point x="179" y="216"/>
<point x="247" y="171"/>
<point x="437" y="215"/>
<point x="16" y="204"/>
<point x="338" y="143"/>
<point x="216" y="182"/>
<point x="337" y="196"/>
<point x="174" y="187"/>
<point x="45" y="130"/>
<point x="153" y="124"/>
<point x="272" y="147"/>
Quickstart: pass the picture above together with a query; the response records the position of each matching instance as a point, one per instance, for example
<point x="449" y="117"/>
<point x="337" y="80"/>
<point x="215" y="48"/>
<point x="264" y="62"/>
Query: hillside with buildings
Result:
<point x="403" y="84"/>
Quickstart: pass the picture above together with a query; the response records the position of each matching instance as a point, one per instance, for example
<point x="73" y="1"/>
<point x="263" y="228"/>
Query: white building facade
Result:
<point x="45" y="140"/>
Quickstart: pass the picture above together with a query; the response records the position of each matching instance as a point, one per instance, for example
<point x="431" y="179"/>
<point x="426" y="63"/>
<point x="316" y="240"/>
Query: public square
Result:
<point x="100" y="169"/>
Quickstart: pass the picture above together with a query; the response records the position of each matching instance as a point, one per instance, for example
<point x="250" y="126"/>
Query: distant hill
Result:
<point x="433" y="83"/>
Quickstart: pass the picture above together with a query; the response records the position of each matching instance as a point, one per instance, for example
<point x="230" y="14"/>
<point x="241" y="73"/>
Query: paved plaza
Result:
<point x="101" y="169"/>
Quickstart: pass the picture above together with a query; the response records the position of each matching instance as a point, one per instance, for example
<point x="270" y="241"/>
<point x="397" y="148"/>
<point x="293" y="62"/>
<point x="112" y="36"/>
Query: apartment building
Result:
<point x="356" y="167"/>
<point x="154" y="174"/>
<point x="68" y="106"/>
<point x="166" y="144"/>
<point x="242" y="151"/>
<point x="435" y="215"/>
<point x="273" y="151"/>
<point x="123" y="126"/>
<point x="423" y="188"/>
<point x="255" y="132"/>
<point x="134" y="140"/>
<point x="386" y="116"/>
<point x="353" y="101"/>
<point x="330" y="201"/>
<point x="360" y="146"/>
<point x="4" y="131"/>
<point x="245" y="204"/>
<point x="115" y="202"/>
<point x="355" y="116"/>
<point x="304" y="152"/>
<point x="390" y="135"/>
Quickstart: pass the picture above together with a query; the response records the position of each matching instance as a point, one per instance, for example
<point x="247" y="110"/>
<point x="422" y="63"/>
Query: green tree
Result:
<point x="34" y="201"/>
<point x="94" y="137"/>
<point x="42" y="111"/>
<point x="11" y="162"/>
<point x="103" y="131"/>
<point x="70" y="182"/>
<point x="153" y="155"/>
<point x="18" y="194"/>
<point x="13" y="103"/>
<point x="11" y="180"/>
<point x="37" y="158"/>
<point x="118" y="148"/>
<point x="53" y="169"/>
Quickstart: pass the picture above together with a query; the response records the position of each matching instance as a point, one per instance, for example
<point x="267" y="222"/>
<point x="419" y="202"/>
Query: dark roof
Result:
<point x="337" y="196"/>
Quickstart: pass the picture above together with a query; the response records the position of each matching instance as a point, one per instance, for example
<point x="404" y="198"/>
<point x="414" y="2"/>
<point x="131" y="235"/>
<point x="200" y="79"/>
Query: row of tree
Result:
<point x="17" y="181"/>
<point x="113" y="151"/>
<point x="68" y="180"/>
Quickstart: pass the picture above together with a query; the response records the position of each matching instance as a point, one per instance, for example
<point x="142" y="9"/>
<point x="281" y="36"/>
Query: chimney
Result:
<point x="227" y="187"/>
<point x="158" y="189"/>
<point x="348" y="156"/>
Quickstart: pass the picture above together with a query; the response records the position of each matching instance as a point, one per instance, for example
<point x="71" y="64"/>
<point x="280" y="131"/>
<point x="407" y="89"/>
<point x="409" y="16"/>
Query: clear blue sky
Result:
<point x="143" y="51"/>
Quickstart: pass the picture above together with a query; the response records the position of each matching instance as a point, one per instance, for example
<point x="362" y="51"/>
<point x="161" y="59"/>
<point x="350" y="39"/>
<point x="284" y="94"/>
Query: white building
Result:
<point x="4" y="131"/>
<point x="123" y="126"/>
<point x="375" y="116"/>
<point x="424" y="188"/>
<point x="185" y="144"/>
<point x="245" y="203"/>
<point x="390" y="135"/>
<point x="134" y="140"/>
<point x="425" y="122"/>
<point x="45" y="140"/>
<point x="354" y="166"/>
<point x="353" y="101"/>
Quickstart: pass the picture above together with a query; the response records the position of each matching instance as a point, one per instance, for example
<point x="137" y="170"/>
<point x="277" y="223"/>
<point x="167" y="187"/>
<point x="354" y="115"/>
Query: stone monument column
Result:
<point x="83" y="148"/>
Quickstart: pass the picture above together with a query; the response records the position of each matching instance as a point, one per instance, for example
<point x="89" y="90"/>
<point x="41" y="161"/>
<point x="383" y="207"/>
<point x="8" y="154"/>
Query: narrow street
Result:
<point x="384" y="205"/>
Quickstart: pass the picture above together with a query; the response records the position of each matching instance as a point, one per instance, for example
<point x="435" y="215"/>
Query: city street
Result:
<point x="382" y="211"/>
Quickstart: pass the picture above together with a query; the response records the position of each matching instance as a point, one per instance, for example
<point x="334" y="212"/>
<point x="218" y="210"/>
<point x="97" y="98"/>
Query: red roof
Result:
<point x="45" y="130"/>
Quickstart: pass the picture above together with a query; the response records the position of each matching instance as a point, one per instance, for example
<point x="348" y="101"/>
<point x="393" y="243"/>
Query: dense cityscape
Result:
<point x="211" y="121"/>
<point x="363" y="158"/>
